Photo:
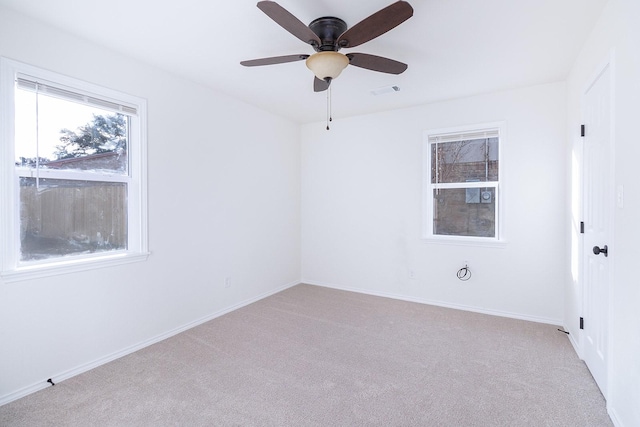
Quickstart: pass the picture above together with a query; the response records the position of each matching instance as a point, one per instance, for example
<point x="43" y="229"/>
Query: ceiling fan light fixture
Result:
<point x="327" y="65"/>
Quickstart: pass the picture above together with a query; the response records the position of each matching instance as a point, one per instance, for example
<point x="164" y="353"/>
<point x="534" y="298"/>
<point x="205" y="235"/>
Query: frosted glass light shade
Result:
<point x="327" y="64"/>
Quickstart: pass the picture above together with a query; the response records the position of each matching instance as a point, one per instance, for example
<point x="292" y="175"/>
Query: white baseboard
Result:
<point x="113" y="356"/>
<point x="576" y="346"/>
<point x="474" y="309"/>
<point x="614" y="416"/>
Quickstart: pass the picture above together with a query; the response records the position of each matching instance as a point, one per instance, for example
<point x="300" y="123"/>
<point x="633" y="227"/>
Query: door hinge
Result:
<point x="582" y="323"/>
<point x="581" y="227"/>
<point x="581" y="130"/>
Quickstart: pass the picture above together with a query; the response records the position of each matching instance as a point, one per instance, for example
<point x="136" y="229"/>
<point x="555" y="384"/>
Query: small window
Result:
<point x="462" y="174"/>
<point x="76" y="155"/>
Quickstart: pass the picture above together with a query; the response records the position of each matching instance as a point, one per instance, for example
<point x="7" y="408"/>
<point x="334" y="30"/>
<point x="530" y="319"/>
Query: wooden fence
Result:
<point x="71" y="217"/>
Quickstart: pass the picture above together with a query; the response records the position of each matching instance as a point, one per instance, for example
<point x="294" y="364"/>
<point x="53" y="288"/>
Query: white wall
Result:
<point x="361" y="207"/>
<point x="617" y="36"/>
<point x="224" y="200"/>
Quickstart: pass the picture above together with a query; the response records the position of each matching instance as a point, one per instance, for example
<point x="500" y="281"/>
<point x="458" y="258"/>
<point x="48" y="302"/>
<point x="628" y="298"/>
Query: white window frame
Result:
<point x="428" y="187"/>
<point x="11" y="268"/>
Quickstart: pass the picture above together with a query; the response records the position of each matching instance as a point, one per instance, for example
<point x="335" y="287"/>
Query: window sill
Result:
<point x="463" y="241"/>
<point x="41" y="270"/>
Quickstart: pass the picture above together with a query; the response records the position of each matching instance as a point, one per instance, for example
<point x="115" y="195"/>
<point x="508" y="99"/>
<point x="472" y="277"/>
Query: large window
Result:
<point x="462" y="184"/>
<point x="73" y="161"/>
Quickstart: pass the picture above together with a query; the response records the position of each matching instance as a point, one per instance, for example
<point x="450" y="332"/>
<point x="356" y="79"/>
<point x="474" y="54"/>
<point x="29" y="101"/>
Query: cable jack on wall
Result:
<point x="464" y="273"/>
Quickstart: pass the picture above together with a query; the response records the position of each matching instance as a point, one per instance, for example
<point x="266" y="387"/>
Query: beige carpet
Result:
<point x="311" y="356"/>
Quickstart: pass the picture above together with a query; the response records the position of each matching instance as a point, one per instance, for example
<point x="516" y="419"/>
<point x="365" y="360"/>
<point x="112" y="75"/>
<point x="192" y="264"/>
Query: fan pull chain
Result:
<point x="329" y="118"/>
<point x="330" y="104"/>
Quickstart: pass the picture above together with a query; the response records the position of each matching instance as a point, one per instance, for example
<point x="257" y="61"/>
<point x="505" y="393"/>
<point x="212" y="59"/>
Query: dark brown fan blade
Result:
<point x="273" y="60"/>
<point x="320" y="85"/>
<point x="376" y="25"/>
<point x="376" y="63"/>
<point x="289" y="22"/>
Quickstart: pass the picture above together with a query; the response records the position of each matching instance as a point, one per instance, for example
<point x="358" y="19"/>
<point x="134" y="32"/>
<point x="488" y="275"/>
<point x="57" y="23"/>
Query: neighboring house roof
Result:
<point x="110" y="161"/>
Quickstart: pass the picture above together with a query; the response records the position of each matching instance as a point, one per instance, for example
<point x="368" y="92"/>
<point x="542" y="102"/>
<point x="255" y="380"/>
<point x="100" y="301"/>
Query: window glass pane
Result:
<point x="464" y="161"/>
<point x="464" y="212"/>
<point x="63" y="217"/>
<point x="63" y="134"/>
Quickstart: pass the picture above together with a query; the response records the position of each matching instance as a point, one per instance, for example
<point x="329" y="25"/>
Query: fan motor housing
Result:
<point x="328" y="29"/>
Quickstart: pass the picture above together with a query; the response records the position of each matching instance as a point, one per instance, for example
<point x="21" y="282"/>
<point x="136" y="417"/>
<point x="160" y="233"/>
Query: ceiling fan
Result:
<point x="327" y="35"/>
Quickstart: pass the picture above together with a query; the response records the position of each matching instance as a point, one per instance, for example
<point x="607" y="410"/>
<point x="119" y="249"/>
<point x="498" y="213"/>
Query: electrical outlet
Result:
<point x="227" y="282"/>
<point x="412" y="274"/>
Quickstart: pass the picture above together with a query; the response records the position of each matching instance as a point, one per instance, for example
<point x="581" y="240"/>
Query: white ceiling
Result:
<point x="454" y="48"/>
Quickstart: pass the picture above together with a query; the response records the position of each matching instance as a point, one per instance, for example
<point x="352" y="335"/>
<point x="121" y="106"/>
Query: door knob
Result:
<point x="598" y="251"/>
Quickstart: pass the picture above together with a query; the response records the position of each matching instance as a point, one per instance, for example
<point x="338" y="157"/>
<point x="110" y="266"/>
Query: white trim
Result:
<point x="612" y="227"/>
<point x="483" y="242"/>
<point x="8" y="208"/>
<point x="71" y="265"/>
<point x="70" y="82"/>
<point x="574" y="343"/>
<point x="40" y="385"/>
<point x="71" y="174"/>
<point x="25" y="82"/>
<point x="615" y="419"/>
<point x="474" y="127"/>
<point x="474" y="184"/>
<point x="11" y="269"/>
<point x="473" y="309"/>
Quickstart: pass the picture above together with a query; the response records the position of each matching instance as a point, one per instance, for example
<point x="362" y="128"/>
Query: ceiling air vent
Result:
<point x="384" y="90"/>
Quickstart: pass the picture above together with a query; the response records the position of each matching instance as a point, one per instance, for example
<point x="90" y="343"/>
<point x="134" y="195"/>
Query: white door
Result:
<point x="598" y="206"/>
